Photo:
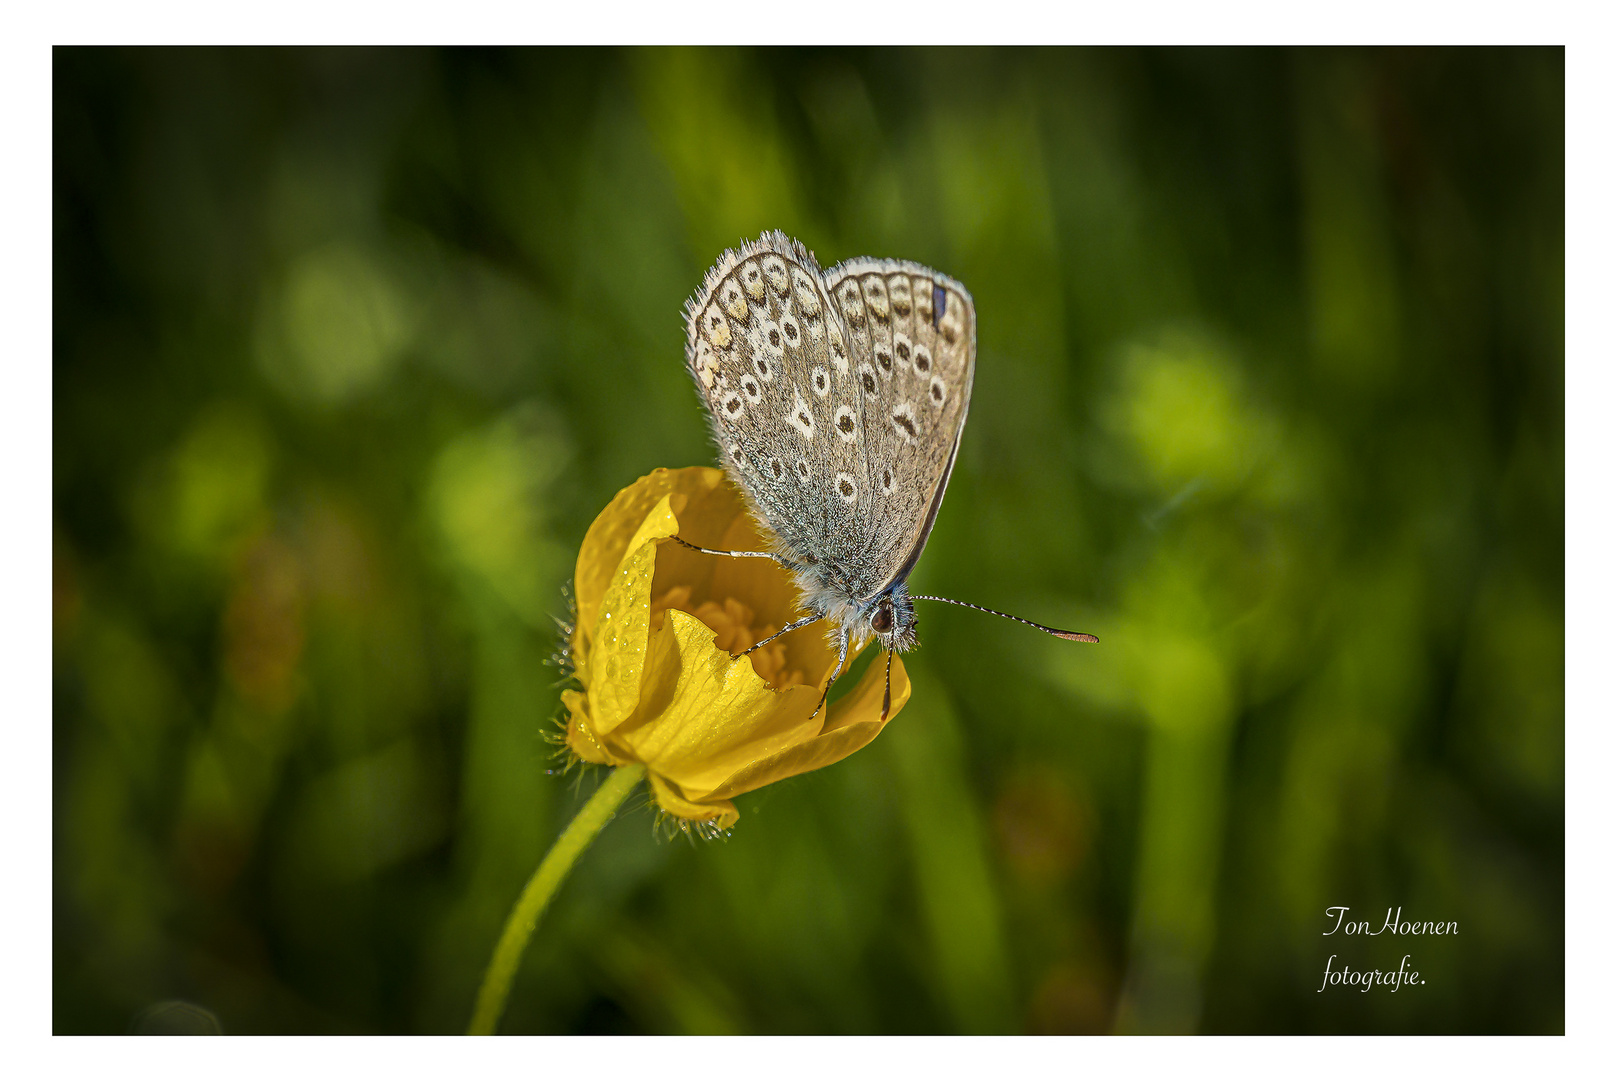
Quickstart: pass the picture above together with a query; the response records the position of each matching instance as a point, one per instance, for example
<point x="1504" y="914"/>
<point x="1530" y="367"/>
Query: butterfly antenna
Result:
<point x="1066" y="635"/>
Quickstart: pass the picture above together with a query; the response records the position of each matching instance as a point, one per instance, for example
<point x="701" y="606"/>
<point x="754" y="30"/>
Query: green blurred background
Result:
<point x="351" y="346"/>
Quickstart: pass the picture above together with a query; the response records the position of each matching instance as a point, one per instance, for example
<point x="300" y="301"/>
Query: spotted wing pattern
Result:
<point x="912" y="341"/>
<point x="771" y="360"/>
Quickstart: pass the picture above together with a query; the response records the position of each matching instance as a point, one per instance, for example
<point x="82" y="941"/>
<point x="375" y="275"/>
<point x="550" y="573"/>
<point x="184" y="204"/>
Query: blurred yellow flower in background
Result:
<point x="655" y="643"/>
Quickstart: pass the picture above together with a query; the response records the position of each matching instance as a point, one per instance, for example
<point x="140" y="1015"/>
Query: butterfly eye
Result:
<point x="883" y="619"/>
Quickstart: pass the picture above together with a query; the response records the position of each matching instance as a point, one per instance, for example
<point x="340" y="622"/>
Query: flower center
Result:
<point x="734" y="630"/>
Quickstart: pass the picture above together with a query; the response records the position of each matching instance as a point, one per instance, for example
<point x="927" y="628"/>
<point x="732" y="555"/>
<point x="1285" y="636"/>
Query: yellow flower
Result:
<point x="657" y="626"/>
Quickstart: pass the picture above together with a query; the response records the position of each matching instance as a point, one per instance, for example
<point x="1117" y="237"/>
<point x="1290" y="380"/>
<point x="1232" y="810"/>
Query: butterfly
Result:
<point x="837" y="399"/>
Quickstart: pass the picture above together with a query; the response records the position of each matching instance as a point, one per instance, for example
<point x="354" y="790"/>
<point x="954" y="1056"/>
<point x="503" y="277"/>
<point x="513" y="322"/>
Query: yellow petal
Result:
<point x="714" y="754"/>
<point x="854" y="723"/>
<point x="581" y="739"/>
<point x="617" y="653"/>
<point x="707" y="715"/>
<point x="670" y="800"/>
<point x="610" y="536"/>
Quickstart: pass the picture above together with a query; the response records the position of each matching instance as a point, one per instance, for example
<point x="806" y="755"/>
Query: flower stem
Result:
<point x="541" y="887"/>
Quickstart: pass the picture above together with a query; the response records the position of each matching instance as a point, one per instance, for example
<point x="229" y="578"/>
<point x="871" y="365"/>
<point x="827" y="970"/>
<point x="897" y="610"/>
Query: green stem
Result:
<point x="538" y="892"/>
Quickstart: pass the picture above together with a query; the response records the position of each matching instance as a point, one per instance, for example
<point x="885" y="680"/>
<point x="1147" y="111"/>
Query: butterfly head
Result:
<point x="892" y="620"/>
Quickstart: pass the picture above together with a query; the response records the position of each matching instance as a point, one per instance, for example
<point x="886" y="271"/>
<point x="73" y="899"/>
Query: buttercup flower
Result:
<point x="657" y="629"/>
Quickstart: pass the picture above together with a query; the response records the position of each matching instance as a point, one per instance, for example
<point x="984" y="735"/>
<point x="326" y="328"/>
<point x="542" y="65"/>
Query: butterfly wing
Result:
<point x="912" y="336"/>
<point x="771" y="364"/>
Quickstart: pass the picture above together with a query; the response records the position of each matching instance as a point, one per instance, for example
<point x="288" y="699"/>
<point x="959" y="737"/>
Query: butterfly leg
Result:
<point x="888" y="666"/>
<point x="733" y="554"/>
<point x="806" y="621"/>
<point x="838" y="669"/>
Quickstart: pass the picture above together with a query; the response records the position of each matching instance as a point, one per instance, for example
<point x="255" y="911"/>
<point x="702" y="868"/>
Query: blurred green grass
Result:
<point x="351" y="346"/>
